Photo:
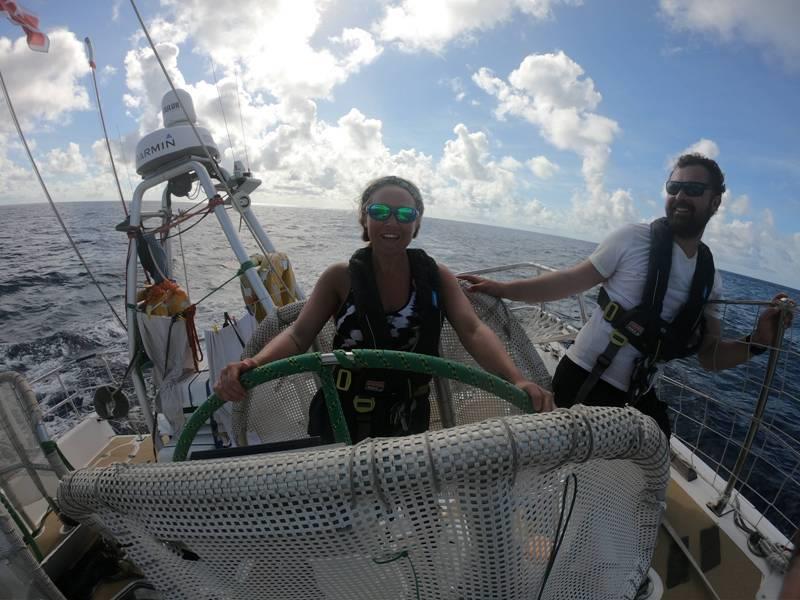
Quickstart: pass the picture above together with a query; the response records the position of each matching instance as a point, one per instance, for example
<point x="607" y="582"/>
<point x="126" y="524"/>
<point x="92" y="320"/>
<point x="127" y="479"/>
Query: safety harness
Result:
<point x="642" y="326"/>
<point x="382" y="402"/>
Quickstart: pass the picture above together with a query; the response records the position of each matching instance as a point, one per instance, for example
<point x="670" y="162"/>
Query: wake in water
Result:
<point x="65" y="367"/>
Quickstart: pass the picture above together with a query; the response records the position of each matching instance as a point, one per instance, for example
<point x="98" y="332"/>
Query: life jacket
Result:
<point x="277" y="275"/>
<point x="642" y="326"/>
<point x="383" y="402"/>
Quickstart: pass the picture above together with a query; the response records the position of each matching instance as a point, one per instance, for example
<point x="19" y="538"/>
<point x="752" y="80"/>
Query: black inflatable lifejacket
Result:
<point x="380" y="402"/>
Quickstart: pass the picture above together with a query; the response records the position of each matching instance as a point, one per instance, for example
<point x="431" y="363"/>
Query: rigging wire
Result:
<point x="124" y="159"/>
<point x="50" y="200"/>
<point x="241" y="121"/>
<point x="222" y="109"/>
<point x="183" y="260"/>
<point x="193" y="225"/>
<point x="90" y="56"/>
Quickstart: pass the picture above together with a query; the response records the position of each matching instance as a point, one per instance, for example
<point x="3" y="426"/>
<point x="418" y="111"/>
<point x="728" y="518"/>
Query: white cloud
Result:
<point x="16" y="177"/>
<point x="755" y="247"/>
<point x="551" y="93"/>
<point x="457" y="86"/>
<point x="44" y="86"/>
<point x="740" y="206"/>
<point x="702" y="146"/>
<point x="470" y="183"/>
<point x="66" y="162"/>
<point x="466" y="156"/>
<point x="772" y="25"/>
<point x="147" y="84"/>
<point x="273" y="44"/>
<point x="432" y="24"/>
<point x="362" y="46"/>
<point x="542" y="167"/>
<point x="273" y="98"/>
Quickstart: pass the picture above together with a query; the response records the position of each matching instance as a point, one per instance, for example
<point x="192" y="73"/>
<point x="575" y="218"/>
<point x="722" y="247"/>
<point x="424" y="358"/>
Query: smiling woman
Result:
<point x="389" y="297"/>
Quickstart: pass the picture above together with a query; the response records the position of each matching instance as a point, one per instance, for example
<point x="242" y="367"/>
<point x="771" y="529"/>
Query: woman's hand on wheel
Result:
<point x="228" y="387"/>
<point x="541" y="399"/>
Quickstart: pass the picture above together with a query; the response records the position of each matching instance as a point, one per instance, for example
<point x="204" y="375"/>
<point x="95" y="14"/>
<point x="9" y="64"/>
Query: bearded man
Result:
<point x="658" y="279"/>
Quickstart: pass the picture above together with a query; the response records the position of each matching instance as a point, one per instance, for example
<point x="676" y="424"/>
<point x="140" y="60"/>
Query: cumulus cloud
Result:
<point x="302" y="155"/>
<point x="268" y="68"/>
<point x="470" y="183"/>
<point x="66" y="162"/>
<point x="430" y="25"/>
<point x="542" y="167"/>
<point x="466" y="156"/>
<point x="702" y="146"/>
<point x="55" y="90"/>
<point x="16" y="177"/>
<point x="551" y="92"/>
<point x="146" y="83"/>
<point x="772" y="26"/>
<point x="274" y="42"/>
<point x="755" y="246"/>
<point x="740" y="206"/>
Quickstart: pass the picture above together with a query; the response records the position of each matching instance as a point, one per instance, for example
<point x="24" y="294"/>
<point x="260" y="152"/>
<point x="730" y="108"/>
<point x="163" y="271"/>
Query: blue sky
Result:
<point x="559" y="116"/>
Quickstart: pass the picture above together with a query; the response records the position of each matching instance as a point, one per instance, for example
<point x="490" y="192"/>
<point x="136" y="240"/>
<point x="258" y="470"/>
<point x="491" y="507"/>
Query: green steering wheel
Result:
<point x="358" y="359"/>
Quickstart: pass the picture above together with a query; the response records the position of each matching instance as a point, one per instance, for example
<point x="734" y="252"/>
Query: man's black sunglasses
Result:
<point x="692" y="189"/>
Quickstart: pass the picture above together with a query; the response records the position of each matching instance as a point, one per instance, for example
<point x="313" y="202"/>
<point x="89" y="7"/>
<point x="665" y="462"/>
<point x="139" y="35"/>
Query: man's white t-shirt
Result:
<point x="622" y="259"/>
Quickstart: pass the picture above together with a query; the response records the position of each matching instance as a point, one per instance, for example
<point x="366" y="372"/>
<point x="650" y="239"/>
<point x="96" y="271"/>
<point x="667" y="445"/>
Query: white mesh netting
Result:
<point x="28" y="477"/>
<point x="21" y="575"/>
<point x="278" y="410"/>
<point x="472" y="512"/>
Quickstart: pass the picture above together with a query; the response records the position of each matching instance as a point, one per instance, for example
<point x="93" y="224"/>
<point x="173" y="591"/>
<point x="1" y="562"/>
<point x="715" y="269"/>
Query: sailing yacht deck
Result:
<point x="725" y="565"/>
<point x="58" y="542"/>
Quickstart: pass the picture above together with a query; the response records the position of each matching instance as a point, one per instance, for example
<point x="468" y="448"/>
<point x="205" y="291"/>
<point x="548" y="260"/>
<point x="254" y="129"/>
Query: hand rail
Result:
<point x="539" y="268"/>
<point x="755" y="422"/>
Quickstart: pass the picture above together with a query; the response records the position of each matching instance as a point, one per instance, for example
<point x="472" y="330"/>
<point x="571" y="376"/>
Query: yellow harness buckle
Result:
<point x="344" y="379"/>
<point x="618" y="339"/>
<point x="363" y="405"/>
<point x="610" y="311"/>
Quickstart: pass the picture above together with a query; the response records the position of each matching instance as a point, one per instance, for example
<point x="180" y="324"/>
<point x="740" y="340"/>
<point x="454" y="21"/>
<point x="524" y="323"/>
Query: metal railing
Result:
<point x="538" y="269"/>
<point x="77" y="379"/>
<point x="71" y="392"/>
<point x="745" y="422"/>
<point x="755" y="421"/>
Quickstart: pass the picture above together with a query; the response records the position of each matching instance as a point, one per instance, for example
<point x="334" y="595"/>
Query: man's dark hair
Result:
<point x="714" y="172"/>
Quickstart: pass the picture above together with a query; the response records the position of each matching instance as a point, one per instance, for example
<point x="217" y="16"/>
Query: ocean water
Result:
<point x="51" y="312"/>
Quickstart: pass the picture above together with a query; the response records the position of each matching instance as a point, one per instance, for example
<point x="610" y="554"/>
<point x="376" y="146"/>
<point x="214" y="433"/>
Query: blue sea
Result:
<point x="50" y="311"/>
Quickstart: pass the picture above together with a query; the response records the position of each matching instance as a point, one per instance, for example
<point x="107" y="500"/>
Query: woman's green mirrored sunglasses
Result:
<point x="381" y="212"/>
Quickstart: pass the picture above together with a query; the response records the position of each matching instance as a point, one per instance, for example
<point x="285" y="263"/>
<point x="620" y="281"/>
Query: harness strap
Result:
<point x="633" y="322"/>
<point x="617" y="341"/>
